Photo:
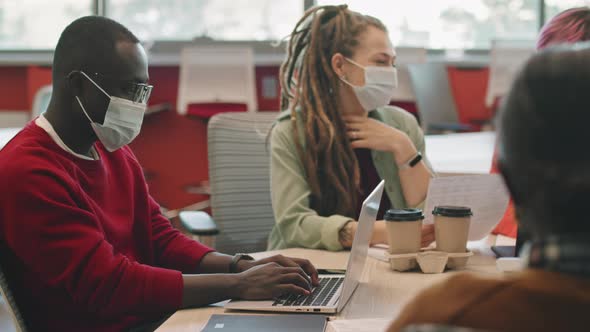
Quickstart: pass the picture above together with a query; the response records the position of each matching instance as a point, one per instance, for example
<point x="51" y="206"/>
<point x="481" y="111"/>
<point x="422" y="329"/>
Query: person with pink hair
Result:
<point x="550" y="190"/>
<point x="568" y="27"/>
<point x="552" y="293"/>
<point x="544" y="161"/>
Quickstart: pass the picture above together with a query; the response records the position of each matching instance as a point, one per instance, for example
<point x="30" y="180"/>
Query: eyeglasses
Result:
<point x="136" y="92"/>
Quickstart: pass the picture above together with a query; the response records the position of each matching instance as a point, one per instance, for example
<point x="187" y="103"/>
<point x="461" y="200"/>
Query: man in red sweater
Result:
<point x="82" y="241"/>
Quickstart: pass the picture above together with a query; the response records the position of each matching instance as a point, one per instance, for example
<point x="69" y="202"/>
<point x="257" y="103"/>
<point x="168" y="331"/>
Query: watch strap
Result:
<point x="412" y="162"/>
<point x="233" y="265"/>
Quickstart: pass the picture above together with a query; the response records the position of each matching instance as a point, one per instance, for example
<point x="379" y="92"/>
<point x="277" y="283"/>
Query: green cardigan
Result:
<point x="297" y="225"/>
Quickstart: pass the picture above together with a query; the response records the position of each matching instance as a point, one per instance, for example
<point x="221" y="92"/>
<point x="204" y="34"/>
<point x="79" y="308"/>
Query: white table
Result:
<point x="461" y="154"/>
<point x="6" y="134"/>
<point x="380" y="295"/>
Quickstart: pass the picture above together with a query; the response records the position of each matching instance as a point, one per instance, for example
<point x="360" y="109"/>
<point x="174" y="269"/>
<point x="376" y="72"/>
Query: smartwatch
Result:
<point x="412" y="162"/>
<point x="233" y="265"/>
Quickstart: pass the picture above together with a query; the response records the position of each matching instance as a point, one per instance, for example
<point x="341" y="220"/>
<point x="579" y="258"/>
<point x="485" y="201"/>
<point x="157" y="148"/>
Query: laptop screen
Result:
<point x="360" y="244"/>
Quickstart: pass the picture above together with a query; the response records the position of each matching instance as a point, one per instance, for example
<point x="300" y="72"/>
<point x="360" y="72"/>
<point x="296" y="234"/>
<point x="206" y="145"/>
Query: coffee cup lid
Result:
<point x="452" y="211"/>
<point x="404" y="215"/>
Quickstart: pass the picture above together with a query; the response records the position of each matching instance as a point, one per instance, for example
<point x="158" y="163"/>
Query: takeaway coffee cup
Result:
<point x="404" y="230"/>
<point x="451" y="228"/>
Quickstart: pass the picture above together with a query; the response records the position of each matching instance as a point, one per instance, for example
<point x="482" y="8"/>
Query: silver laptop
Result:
<point x="334" y="291"/>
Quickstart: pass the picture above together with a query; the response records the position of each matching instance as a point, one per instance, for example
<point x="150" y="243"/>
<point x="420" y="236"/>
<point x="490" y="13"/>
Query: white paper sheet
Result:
<point x="486" y="195"/>
<point x="359" y="325"/>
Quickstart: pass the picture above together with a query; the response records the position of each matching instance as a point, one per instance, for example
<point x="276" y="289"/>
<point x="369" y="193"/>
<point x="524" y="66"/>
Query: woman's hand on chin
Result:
<point x="367" y="133"/>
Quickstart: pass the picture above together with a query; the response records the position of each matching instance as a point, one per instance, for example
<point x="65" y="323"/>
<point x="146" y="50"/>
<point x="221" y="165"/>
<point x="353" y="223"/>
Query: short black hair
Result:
<point x="87" y="44"/>
<point x="544" y="137"/>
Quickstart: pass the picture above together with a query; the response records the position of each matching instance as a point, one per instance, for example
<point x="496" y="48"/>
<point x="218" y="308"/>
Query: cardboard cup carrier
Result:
<point x="404" y="231"/>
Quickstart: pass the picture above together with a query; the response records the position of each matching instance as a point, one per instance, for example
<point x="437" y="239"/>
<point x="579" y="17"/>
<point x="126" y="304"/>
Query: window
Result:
<point x="452" y="24"/>
<point x="219" y="19"/>
<point x="37" y="24"/>
<point x="554" y="7"/>
<point x="437" y="24"/>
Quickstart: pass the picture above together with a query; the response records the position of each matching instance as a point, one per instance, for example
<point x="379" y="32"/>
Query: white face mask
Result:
<point x="380" y="83"/>
<point x="122" y="121"/>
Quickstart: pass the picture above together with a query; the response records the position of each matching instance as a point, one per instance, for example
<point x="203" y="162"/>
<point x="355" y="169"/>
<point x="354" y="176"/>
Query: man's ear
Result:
<point x="338" y="64"/>
<point x="74" y="82"/>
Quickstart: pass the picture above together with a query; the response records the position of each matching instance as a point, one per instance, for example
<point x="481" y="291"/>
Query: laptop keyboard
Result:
<point x="320" y="296"/>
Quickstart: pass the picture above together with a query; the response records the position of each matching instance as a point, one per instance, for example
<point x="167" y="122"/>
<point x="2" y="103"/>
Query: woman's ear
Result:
<point x="338" y="64"/>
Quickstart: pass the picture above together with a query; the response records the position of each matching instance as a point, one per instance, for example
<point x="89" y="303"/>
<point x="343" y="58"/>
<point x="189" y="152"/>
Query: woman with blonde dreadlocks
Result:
<point x="338" y="138"/>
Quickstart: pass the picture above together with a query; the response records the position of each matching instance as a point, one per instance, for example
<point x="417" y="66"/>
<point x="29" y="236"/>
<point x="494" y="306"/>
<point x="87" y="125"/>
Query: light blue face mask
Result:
<point x="380" y="84"/>
<point x="122" y="121"/>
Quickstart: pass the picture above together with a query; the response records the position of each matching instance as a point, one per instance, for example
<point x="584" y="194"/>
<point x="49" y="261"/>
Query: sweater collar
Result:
<point x="566" y="253"/>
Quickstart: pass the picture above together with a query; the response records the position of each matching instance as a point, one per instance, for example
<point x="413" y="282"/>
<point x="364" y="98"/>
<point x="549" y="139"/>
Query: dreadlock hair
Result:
<point x="310" y="85"/>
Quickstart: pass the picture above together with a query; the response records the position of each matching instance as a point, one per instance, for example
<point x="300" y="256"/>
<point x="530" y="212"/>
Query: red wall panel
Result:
<point x="13" y="84"/>
<point x="37" y="77"/>
<point x="165" y="82"/>
<point x="171" y="148"/>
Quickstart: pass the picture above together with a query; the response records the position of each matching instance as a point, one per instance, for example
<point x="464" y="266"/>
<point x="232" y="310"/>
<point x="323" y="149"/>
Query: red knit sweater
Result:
<point x="86" y="244"/>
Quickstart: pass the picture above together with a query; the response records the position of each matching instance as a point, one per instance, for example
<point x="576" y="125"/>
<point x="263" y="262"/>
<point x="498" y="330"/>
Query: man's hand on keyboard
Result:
<point x="304" y="264"/>
<point x="271" y="280"/>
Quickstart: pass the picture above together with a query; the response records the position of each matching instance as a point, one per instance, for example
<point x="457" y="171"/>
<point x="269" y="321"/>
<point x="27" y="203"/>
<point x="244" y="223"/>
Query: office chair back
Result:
<point x="6" y="291"/>
<point x="436" y="106"/>
<point x="239" y="174"/>
<point x="41" y="100"/>
<point x="216" y="75"/>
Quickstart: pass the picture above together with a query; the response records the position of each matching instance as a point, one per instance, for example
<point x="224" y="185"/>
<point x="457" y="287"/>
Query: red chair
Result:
<point x="469" y="86"/>
<point x="216" y="79"/>
<point x="207" y="110"/>
<point x="435" y="102"/>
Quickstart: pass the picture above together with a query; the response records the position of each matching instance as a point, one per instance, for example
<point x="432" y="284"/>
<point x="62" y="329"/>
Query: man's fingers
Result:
<point x="295" y="265"/>
<point x="309" y="269"/>
<point x="288" y="289"/>
<point x="296" y="279"/>
<point x="298" y="270"/>
<point x="280" y="260"/>
<point x="301" y="265"/>
<point x="284" y="261"/>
